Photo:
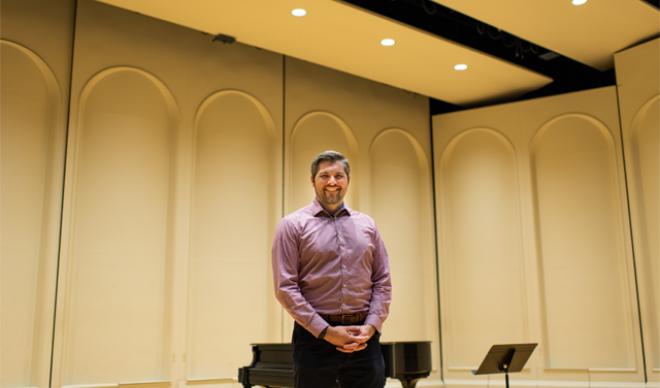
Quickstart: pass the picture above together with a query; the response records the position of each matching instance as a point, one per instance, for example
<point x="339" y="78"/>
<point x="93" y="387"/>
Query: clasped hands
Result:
<point x="349" y="339"/>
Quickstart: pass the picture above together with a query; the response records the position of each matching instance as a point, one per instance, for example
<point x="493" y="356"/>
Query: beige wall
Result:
<point x="164" y="239"/>
<point x="181" y="155"/>
<point x="534" y="240"/>
<point x="638" y="84"/>
<point x="35" y="62"/>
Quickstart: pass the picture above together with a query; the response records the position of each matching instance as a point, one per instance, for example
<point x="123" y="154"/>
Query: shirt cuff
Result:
<point x="374" y="321"/>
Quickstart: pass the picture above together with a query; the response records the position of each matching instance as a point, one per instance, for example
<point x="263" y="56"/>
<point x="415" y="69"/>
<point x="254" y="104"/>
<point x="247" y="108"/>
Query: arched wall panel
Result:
<point x="401" y="202"/>
<point x="234" y="193"/>
<point x="481" y="236"/>
<point x="31" y="110"/>
<point x="645" y="145"/>
<point x="580" y="244"/>
<point x="119" y="244"/>
<point x="639" y="104"/>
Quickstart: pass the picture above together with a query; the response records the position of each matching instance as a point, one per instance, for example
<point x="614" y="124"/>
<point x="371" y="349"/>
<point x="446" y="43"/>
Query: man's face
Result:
<point x="330" y="184"/>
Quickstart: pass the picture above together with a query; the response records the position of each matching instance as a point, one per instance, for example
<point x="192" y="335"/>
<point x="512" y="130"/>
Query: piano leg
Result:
<point x="409" y="383"/>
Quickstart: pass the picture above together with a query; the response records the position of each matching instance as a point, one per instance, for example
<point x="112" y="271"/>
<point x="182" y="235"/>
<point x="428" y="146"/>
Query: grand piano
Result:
<point x="272" y="364"/>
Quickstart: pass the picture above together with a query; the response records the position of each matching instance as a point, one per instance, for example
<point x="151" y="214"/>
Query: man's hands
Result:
<point x="349" y="339"/>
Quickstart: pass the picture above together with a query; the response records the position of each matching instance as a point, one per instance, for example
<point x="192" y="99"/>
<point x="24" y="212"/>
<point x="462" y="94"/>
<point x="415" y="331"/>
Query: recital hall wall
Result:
<point x="155" y="222"/>
<point x="35" y="64"/>
<point x="638" y="85"/>
<point x="534" y="239"/>
<point x="163" y="235"/>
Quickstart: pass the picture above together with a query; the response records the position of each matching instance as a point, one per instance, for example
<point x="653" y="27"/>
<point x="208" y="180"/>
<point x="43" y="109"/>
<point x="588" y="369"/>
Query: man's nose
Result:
<point x="332" y="180"/>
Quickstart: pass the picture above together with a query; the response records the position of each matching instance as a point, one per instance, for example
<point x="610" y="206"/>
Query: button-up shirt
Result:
<point x="330" y="264"/>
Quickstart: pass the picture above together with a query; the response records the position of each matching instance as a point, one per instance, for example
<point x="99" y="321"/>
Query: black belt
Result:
<point x="346" y="319"/>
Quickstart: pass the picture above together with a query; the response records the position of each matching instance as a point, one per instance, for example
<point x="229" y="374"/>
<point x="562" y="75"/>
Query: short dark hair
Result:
<point x="330" y="156"/>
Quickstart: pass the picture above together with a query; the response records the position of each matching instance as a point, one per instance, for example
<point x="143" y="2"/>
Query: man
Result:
<point x="332" y="275"/>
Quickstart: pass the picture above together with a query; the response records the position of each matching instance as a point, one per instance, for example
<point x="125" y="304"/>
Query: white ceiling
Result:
<point x="341" y="36"/>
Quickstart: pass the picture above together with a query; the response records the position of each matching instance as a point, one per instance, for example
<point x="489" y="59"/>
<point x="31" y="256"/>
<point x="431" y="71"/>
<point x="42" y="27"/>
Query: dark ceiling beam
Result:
<point x="655" y="3"/>
<point x="567" y="74"/>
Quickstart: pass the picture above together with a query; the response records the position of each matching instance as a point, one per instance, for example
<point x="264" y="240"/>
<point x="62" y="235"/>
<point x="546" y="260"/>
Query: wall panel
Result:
<point x="580" y="249"/>
<point x="400" y="194"/>
<point x="234" y="139"/>
<point x="481" y="230"/>
<point x="639" y="103"/>
<point x="31" y="99"/>
<point x="561" y="167"/>
<point x="35" y="53"/>
<point x="120" y="239"/>
<point x="384" y="132"/>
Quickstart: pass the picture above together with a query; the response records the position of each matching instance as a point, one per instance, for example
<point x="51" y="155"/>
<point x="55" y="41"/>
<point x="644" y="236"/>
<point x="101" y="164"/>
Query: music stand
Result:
<point x="505" y="359"/>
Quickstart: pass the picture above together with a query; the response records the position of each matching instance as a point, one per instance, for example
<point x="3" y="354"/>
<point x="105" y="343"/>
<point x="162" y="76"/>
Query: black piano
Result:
<point x="272" y="364"/>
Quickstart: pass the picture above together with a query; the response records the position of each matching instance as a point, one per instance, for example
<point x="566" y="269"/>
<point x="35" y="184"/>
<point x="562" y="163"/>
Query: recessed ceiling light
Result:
<point x="298" y="12"/>
<point x="579" y="2"/>
<point x="388" y="42"/>
<point x="460" y="67"/>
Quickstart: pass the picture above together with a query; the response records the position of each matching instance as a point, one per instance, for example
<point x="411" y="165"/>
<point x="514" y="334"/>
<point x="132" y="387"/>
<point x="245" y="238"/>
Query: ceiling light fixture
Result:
<point x="388" y="42"/>
<point x="298" y="12"/>
<point x="460" y="67"/>
<point x="579" y="2"/>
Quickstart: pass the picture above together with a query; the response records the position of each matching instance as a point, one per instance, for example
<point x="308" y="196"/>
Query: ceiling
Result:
<point x="514" y="49"/>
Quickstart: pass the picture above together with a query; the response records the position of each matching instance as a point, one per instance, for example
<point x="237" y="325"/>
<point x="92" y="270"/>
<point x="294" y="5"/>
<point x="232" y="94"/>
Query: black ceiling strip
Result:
<point x="655" y="3"/>
<point x="567" y="74"/>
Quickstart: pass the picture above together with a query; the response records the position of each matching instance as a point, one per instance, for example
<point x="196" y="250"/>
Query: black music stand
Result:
<point x="505" y="359"/>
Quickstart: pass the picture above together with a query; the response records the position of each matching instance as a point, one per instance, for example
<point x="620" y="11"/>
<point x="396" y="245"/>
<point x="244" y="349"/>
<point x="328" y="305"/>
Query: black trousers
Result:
<point x="318" y="364"/>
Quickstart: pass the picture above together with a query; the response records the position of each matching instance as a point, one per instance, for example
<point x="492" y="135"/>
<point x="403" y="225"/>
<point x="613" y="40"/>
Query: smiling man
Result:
<point x="332" y="275"/>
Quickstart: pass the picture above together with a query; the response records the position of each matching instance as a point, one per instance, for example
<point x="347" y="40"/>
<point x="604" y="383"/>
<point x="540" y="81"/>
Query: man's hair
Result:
<point x="330" y="156"/>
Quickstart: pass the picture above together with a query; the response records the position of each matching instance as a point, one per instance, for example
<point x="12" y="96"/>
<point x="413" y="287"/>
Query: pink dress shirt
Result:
<point x="324" y="264"/>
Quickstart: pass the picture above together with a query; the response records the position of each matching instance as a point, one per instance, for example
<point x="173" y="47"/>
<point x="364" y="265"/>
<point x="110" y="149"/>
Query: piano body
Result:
<point x="272" y="364"/>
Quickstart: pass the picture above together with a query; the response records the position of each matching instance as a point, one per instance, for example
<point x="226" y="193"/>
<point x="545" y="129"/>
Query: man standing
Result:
<point x="332" y="275"/>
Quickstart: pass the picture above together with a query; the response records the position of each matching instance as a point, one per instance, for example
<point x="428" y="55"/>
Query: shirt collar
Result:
<point x="319" y="211"/>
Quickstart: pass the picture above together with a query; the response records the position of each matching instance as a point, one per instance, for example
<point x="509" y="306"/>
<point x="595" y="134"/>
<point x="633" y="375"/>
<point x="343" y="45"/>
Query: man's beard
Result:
<point x="331" y="198"/>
